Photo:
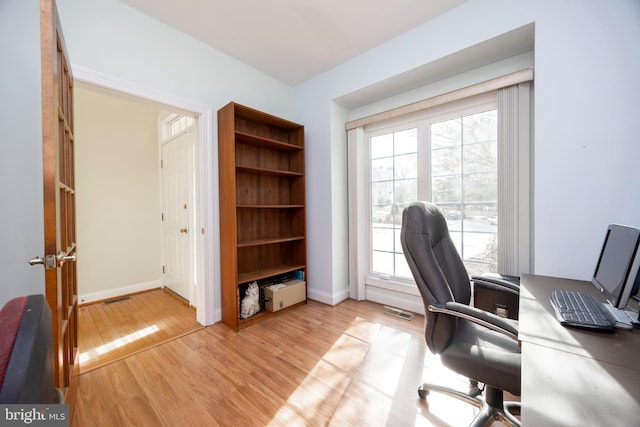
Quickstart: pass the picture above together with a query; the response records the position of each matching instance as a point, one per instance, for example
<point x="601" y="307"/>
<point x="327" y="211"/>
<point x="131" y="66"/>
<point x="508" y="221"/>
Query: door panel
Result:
<point x="59" y="199"/>
<point x="175" y="212"/>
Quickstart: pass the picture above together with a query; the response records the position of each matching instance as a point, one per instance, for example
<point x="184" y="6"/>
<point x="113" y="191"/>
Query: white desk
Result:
<point x="574" y="377"/>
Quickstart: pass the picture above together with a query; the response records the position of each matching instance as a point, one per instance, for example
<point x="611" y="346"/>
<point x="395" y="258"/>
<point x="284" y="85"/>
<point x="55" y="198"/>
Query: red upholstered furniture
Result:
<point x="26" y="351"/>
<point x="10" y="318"/>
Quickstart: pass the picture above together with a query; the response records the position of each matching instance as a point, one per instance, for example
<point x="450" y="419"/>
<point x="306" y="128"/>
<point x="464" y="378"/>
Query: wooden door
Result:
<point x="59" y="200"/>
<point x="175" y="214"/>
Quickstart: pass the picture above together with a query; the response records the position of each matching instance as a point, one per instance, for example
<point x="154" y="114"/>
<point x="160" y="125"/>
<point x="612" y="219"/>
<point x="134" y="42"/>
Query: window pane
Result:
<point x="381" y="193"/>
<point x="382" y="169"/>
<point x="394" y="172"/>
<point x="481" y="187"/>
<point x="446" y="134"/>
<point x="406" y="191"/>
<point x="406" y="166"/>
<point x="177" y="125"/>
<point x="382" y="262"/>
<point x="446" y="189"/>
<point x="405" y="141"/>
<point x="402" y="268"/>
<point x="446" y="161"/>
<point x="481" y="127"/>
<point x="475" y="244"/>
<point x="484" y="248"/>
<point x="456" y="236"/>
<point x="381" y="214"/>
<point x="382" y="146"/>
<point x="481" y="157"/>
<point x="464" y="183"/>
<point x="382" y="239"/>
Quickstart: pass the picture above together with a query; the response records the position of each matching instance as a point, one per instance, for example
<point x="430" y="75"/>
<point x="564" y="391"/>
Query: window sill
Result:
<point x="408" y="287"/>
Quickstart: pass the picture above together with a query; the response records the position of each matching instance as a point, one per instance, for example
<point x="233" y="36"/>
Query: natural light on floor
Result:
<point x="117" y="343"/>
<point x="329" y="390"/>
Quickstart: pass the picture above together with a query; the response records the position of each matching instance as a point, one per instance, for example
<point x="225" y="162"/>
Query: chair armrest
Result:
<point x="496" y="283"/>
<point x="480" y="317"/>
<point x="497" y="293"/>
<point x="505" y="277"/>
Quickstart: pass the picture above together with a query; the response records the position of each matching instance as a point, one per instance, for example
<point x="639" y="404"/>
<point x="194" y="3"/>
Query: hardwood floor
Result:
<point x="113" y="330"/>
<point x="349" y="365"/>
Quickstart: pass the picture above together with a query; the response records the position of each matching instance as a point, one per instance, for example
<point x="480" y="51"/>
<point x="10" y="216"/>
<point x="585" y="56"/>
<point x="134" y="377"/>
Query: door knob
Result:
<point x="184" y="230"/>
<point x="36" y="260"/>
<point x="49" y="261"/>
<point x="63" y="258"/>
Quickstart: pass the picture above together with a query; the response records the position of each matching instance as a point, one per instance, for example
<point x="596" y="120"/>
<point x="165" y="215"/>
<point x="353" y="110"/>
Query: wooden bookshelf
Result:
<point x="262" y="203"/>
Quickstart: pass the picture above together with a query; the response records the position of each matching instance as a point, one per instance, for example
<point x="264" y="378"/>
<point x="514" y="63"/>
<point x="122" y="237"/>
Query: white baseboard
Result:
<point x="116" y="292"/>
<point x="329" y="299"/>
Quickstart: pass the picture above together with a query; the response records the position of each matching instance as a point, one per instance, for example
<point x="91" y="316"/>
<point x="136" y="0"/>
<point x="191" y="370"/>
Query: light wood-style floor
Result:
<point x="316" y="365"/>
<point x="113" y="330"/>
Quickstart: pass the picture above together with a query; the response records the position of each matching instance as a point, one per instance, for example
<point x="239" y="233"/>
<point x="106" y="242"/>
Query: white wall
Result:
<point x="21" y="206"/>
<point x="114" y="42"/>
<point x="118" y="195"/>
<point x="586" y="64"/>
<point x="586" y="145"/>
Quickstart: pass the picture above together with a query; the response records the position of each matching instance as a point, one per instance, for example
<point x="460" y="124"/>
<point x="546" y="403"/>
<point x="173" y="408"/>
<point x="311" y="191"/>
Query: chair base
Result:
<point x="492" y="408"/>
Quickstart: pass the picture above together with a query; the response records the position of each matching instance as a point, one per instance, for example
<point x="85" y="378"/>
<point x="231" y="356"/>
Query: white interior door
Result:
<point x="175" y="214"/>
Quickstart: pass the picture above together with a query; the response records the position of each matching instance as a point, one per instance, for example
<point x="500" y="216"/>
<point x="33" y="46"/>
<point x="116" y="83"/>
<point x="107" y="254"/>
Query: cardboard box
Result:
<point x="277" y="297"/>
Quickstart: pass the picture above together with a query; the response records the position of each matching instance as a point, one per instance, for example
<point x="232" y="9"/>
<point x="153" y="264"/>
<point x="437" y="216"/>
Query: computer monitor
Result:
<point x="616" y="273"/>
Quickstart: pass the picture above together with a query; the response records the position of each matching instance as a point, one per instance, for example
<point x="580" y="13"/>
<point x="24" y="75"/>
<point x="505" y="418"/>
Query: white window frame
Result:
<point x="422" y="121"/>
<point x="515" y="252"/>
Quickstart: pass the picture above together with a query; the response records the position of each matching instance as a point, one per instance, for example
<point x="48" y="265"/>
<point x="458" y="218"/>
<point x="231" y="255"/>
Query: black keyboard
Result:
<point x="581" y="310"/>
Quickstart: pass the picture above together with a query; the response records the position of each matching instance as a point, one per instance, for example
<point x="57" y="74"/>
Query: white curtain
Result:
<point x="514" y="181"/>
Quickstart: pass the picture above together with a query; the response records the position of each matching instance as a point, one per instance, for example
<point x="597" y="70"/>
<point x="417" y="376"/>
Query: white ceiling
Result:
<point x="293" y="40"/>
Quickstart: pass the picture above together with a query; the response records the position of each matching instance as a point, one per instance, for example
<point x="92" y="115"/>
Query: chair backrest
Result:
<point x="436" y="266"/>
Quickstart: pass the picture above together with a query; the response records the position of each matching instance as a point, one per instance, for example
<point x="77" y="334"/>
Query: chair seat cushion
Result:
<point x="484" y="355"/>
<point x="10" y="318"/>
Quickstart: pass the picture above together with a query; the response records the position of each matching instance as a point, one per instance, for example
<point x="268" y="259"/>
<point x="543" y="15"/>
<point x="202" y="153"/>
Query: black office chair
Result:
<point x="472" y="342"/>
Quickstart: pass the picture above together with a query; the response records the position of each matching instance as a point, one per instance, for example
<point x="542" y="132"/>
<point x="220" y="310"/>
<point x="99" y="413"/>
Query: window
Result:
<point x="172" y="124"/>
<point x="394" y="179"/>
<point x="464" y="183"/>
<point x="451" y="155"/>
<point x="469" y="151"/>
<point x="179" y="124"/>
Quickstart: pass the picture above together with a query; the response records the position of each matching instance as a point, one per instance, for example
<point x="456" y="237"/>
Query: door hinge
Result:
<point x="161" y="163"/>
<point x="162" y="216"/>
<point x="163" y="269"/>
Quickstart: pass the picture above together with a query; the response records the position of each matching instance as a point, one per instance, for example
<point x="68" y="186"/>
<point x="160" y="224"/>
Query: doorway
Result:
<point x="120" y="222"/>
<point x="206" y="229"/>
<point x="124" y="227"/>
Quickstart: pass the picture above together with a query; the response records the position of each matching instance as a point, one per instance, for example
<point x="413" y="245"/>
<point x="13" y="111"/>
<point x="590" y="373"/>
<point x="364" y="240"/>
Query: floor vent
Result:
<point x="116" y="300"/>
<point x="396" y="312"/>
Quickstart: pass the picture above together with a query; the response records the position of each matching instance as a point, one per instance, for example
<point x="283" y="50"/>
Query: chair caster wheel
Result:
<point x="422" y="393"/>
